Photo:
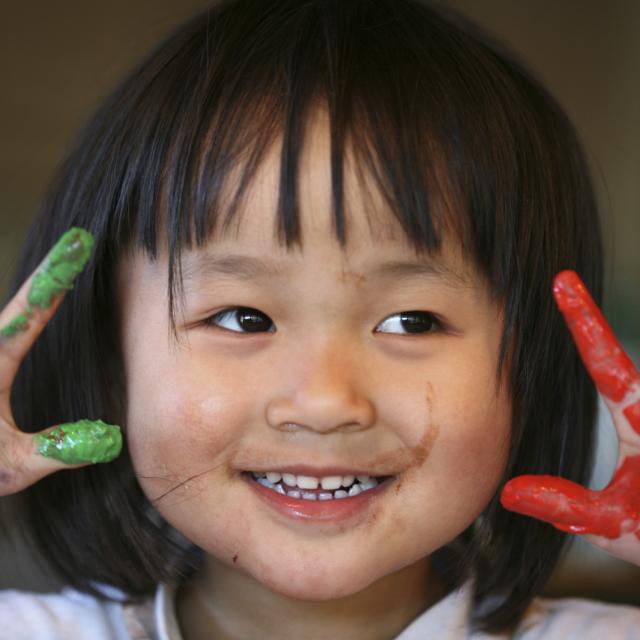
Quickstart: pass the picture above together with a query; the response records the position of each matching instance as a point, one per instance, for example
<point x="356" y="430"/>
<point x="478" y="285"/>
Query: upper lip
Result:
<point x="320" y="472"/>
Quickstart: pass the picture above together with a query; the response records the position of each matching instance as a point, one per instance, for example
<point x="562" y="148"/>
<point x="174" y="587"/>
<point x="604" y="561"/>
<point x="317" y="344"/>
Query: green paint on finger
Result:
<point x="80" y="442"/>
<point x="19" y="323"/>
<point x="61" y="266"/>
<point x="57" y="273"/>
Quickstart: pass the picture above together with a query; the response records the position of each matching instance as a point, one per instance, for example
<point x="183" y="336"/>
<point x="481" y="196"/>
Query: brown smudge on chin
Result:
<point x="5" y="477"/>
<point x="235" y="558"/>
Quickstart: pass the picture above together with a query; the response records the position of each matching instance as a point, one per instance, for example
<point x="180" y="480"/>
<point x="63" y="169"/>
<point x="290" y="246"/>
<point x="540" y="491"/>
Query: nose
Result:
<point x="324" y="391"/>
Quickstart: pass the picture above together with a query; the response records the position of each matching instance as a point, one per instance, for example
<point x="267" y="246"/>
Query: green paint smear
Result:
<point x="19" y="323"/>
<point x="80" y="442"/>
<point x="63" y="263"/>
<point x="57" y="273"/>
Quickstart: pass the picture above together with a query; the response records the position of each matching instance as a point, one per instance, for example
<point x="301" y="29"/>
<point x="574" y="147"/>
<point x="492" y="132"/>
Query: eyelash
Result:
<point x="435" y="324"/>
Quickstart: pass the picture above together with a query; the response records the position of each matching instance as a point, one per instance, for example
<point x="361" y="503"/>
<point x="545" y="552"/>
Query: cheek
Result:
<point x="181" y="424"/>
<point x="474" y="434"/>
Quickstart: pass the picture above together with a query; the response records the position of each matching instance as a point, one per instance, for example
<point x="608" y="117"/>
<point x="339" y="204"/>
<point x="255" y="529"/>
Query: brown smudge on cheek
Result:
<point x="420" y="452"/>
<point x="407" y="458"/>
<point x="423" y="448"/>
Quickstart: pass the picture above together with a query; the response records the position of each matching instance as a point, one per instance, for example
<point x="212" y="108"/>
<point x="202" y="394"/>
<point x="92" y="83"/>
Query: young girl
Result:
<point x="321" y="239"/>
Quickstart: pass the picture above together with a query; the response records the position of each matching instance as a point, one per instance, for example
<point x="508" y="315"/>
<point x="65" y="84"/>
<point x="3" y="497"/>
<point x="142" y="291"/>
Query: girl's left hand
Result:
<point x="610" y="518"/>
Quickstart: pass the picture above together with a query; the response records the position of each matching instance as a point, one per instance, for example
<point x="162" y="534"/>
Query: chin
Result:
<point x="316" y="592"/>
<point x="313" y="583"/>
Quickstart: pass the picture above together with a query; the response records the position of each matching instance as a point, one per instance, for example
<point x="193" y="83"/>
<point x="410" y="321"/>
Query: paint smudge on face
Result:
<point x="80" y="442"/>
<point x="419" y="454"/>
<point x="57" y="273"/>
<point x="566" y="505"/>
<point x="352" y="277"/>
<point x="423" y="448"/>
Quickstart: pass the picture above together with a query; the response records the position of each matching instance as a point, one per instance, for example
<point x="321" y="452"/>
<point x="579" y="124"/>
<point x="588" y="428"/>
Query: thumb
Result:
<point x="566" y="505"/>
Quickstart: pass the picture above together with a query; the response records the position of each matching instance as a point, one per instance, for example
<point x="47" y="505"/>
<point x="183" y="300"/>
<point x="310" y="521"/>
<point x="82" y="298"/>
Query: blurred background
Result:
<point x="59" y="59"/>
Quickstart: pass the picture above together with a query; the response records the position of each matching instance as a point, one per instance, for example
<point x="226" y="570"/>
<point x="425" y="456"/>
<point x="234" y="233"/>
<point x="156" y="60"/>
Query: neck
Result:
<point x="227" y="604"/>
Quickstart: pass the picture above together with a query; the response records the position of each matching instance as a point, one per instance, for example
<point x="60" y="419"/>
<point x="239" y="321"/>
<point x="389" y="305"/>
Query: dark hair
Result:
<point x="456" y="135"/>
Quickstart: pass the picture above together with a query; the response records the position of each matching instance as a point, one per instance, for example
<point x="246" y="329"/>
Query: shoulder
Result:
<point x="545" y="619"/>
<point x="66" y="615"/>
<point x="572" y="618"/>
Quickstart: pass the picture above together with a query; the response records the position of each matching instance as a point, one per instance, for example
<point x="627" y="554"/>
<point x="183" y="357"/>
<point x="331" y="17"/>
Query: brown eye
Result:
<point x="241" y="320"/>
<point x="410" y="322"/>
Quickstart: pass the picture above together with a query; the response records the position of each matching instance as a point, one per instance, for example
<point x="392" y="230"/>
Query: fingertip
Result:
<point x="569" y="291"/>
<point x="62" y="264"/>
<point x="566" y="277"/>
<point x="515" y="491"/>
<point x="81" y="442"/>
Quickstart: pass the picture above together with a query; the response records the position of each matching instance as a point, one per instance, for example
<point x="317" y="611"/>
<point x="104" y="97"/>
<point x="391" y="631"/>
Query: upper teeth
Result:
<point x="309" y="482"/>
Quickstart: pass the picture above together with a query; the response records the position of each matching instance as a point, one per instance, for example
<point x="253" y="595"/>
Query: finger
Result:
<point x="566" y="505"/>
<point x="26" y="458"/>
<point x="609" y="366"/>
<point x="23" y="319"/>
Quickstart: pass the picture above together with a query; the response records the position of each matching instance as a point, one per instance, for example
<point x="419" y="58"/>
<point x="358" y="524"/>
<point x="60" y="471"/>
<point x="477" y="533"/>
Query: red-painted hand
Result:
<point x="611" y="516"/>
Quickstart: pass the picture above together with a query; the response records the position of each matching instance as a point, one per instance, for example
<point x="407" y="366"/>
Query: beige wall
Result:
<point x="587" y="52"/>
<point x="58" y="58"/>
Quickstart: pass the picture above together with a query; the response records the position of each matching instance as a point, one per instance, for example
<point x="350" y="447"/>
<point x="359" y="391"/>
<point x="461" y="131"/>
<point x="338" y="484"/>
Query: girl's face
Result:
<point x="323" y="377"/>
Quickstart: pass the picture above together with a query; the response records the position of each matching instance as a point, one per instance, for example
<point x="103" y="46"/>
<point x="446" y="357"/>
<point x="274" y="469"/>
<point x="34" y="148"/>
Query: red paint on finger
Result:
<point x="548" y="498"/>
<point x="570" y="507"/>
<point x="609" y="366"/>
<point x="632" y="414"/>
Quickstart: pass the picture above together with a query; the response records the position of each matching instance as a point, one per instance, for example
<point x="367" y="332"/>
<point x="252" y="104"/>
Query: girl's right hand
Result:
<point x="25" y="458"/>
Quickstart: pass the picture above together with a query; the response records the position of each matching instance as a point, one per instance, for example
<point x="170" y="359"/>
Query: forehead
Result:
<point x="371" y="228"/>
<point x="367" y="217"/>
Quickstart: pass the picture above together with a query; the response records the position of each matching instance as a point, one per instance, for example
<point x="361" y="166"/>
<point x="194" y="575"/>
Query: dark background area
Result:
<point x="58" y="59"/>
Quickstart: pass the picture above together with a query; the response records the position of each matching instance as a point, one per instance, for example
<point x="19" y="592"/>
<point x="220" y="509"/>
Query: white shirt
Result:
<point x="71" y="615"/>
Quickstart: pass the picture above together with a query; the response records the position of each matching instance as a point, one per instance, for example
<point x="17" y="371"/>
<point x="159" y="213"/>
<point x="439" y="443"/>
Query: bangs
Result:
<point x="421" y="122"/>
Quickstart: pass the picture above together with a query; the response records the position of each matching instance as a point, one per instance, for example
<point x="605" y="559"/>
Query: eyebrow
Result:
<point x="236" y="266"/>
<point x="245" y="268"/>
<point x="398" y="269"/>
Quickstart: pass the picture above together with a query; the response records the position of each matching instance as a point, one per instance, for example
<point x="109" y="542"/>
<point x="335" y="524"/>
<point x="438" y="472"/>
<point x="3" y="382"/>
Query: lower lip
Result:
<point x="335" y="510"/>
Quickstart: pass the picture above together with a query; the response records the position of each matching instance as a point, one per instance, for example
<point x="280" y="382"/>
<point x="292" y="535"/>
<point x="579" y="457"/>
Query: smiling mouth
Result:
<point x="311" y="488"/>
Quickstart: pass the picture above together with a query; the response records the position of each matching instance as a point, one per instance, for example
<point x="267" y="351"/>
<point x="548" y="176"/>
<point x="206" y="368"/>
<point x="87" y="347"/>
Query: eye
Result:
<point x="410" y="322"/>
<point x="241" y="320"/>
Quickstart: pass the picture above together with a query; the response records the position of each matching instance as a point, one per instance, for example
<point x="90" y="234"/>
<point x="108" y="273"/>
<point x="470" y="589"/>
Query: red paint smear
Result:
<point x="570" y="507"/>
<point x="632" y="414"/>
<point x="609" y="366"/>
